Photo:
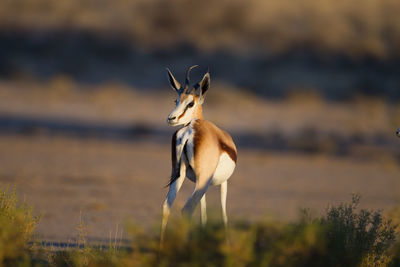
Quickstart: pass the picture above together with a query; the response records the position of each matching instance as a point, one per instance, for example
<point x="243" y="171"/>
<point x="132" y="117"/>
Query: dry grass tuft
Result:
<point x="17" y="225"/>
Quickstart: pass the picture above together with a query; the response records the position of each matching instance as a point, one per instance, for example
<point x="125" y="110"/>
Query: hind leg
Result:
<point x="224" y="191"/>
<point x="203" y="210"/>
<point x="194" y="199"/>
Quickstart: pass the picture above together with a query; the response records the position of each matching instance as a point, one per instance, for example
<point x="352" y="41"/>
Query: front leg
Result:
<point x="171" y="195"/>
<point x="197" y="195"/>
<point x="203" y="210"/>
<point x="224" y="191"/>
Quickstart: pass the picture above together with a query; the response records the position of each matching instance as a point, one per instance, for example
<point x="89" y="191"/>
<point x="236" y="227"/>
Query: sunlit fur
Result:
<point x="182" y="113"/>
<point x="201" y="151"/>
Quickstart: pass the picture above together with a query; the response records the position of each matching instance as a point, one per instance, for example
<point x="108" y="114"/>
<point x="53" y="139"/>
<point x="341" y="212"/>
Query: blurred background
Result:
<point x="309" y="90"/>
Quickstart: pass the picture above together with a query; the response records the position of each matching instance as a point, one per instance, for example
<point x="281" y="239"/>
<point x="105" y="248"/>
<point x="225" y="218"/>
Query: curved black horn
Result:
<point x="187" y="76"/>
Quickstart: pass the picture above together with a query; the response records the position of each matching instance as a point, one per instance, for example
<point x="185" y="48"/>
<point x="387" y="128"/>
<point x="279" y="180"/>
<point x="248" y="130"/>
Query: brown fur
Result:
<point x="205" y="142"/>
<point x="198" y="113"/>
<point x="230" y="150"/>
<point x="209" y="142"/>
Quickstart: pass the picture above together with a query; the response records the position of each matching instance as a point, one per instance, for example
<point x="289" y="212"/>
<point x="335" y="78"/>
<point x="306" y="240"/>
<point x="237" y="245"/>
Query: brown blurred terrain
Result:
<point x="105" y="152"/>
<point x="338" y="48"/>
<point x="357" y="28"/>
<point x="309" y="91"/>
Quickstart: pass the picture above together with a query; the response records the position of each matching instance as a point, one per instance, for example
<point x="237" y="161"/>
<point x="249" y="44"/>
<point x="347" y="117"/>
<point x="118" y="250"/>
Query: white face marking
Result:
<point x="183" y="112"/>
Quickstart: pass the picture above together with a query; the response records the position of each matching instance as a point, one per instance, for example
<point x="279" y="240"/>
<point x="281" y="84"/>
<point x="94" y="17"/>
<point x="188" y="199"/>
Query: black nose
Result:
<point x="172" y="118"/>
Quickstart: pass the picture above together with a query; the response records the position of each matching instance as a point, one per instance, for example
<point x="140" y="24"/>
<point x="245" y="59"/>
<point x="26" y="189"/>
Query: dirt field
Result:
<point x="109" y="177"/>
<point x="111" y="182"/>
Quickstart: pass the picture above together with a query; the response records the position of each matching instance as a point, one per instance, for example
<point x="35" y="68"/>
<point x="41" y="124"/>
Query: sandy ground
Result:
<point x="110" y="183"/>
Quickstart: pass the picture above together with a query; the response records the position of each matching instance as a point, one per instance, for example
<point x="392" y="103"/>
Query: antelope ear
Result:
<point x="173" y="82"/>
<point x="204" y="85"/>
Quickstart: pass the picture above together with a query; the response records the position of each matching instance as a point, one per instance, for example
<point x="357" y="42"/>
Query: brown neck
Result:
<point x="198" y="113"/>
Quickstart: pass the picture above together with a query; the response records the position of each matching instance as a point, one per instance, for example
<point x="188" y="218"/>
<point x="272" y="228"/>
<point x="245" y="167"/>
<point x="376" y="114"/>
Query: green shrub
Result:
<point x="16" y="228"/>
<point x="191" y="245"/>
<point x="357" y="237"/>
<point x="296" y="244"/>
<point x="344" y="236"/>
<point x="395" y="262"/>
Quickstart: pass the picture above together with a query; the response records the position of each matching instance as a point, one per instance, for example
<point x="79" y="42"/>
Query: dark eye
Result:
<point x="176" y="101"/>
<point x="191" y="104"/>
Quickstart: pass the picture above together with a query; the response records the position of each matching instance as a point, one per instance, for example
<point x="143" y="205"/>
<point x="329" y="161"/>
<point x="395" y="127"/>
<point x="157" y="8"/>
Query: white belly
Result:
<point x="224" y="170"/>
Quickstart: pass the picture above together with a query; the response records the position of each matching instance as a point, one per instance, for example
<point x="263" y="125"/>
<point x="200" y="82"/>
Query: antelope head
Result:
<point x="189" y="100"/>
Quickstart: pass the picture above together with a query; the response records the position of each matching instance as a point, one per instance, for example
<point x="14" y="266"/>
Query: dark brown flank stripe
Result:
<point x="229" y="150"/>
<point x="175" y="167"/>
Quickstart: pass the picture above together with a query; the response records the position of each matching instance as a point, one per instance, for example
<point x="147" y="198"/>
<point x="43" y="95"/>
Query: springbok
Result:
<point x="201" y="151"/>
